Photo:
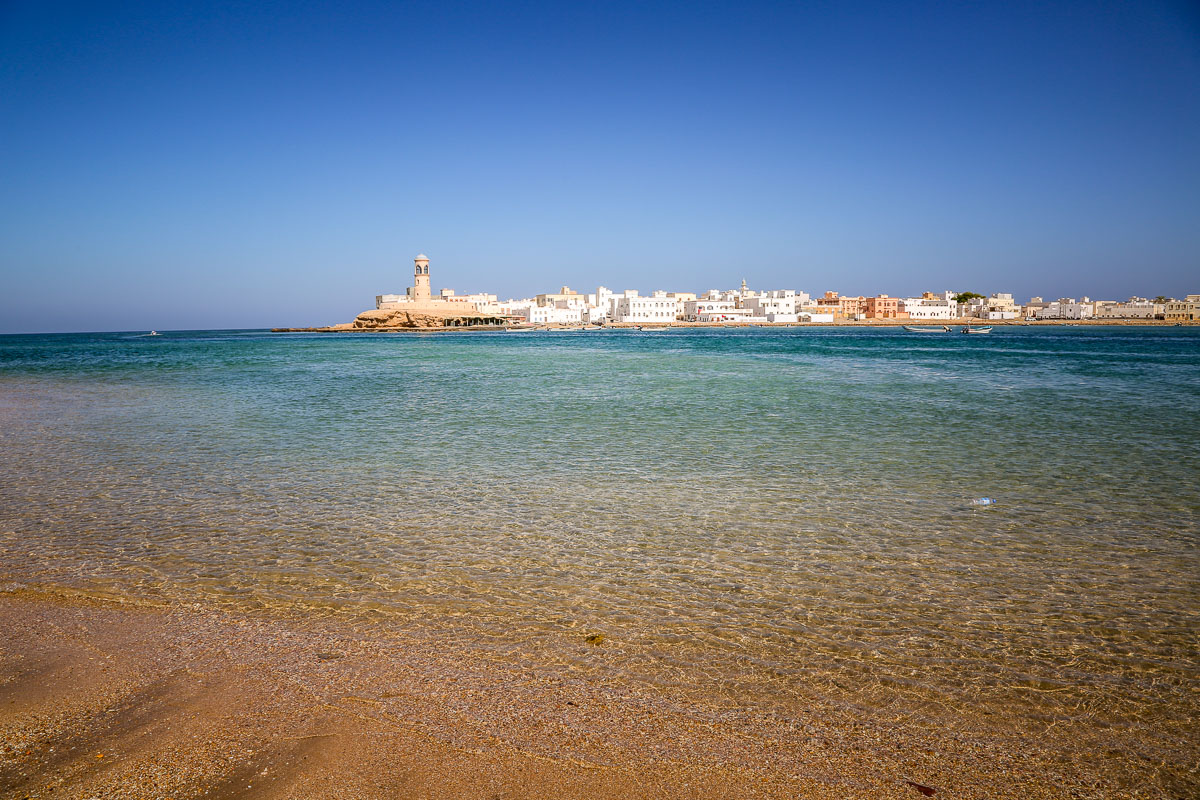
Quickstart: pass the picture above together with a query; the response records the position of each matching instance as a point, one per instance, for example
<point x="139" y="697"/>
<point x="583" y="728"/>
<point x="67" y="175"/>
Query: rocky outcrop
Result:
<point x="399" y="318"/>
<point x="392" y="319"/>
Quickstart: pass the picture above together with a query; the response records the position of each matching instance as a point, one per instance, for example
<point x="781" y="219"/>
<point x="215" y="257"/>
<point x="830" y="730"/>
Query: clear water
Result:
<point x="759" y="518"/>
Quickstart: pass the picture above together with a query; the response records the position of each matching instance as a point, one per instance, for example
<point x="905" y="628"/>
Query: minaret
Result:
<point x="421" y="290"/>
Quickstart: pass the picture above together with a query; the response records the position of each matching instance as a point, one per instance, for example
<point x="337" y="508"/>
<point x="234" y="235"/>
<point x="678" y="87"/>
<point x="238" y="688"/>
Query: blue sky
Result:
<point x="183" y="165"/>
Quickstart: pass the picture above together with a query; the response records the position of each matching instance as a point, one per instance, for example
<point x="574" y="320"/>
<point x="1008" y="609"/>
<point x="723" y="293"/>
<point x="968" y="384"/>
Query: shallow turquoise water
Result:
<point x="765" y="517"/>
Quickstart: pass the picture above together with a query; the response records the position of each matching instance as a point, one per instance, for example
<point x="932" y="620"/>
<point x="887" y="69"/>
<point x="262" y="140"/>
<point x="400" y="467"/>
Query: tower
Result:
<point x="421" y="291"/>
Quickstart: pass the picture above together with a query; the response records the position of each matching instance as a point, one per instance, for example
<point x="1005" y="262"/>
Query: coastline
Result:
<point x="861" y="323"/>
<point x="121" y="699"/>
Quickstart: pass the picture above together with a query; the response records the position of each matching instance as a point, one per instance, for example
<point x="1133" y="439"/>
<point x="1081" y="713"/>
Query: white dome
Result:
<point x="421" y="257"/>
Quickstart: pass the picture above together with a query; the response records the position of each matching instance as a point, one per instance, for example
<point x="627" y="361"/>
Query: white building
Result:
<point x="389" y="300"/>
<point x="482" y="301"/>
<point x="1065" y="308"/>
<point x="644" y="309"/>
<point x="692" y="309"/>
<point x="717" y="294"/>
<point x="996" y="306"/>
<point x="549" y="315"/>
<point x="729" y="314"/>
<point x="780" y="302"/>
<point x="929" y="306"/>
<point x="602" y="300"/>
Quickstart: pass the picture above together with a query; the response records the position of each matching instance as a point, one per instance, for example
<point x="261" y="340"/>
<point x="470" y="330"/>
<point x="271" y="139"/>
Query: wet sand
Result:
<point x="102" y="699"/>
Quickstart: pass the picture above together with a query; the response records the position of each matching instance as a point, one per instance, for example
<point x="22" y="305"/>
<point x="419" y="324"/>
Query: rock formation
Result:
<point x="376" y="318"/>
<point x="382" y="319"/>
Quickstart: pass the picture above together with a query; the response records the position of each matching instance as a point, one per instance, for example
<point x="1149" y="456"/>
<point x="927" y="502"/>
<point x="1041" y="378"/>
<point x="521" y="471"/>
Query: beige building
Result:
<point x="681" y="299"/>
<point x="565" y="298"/>
<point x="420" y="291"/>
<point x="1133" y="308"/>
<point x="1186" y="310"/>
<point x="842" y="307"/>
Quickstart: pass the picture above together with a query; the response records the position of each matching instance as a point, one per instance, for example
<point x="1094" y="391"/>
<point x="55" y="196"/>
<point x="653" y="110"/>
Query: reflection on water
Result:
<point x="762" y="518"/>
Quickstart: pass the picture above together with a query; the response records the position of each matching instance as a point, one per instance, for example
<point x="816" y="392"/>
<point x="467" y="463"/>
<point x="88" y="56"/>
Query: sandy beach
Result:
<point x="103" y="699"/>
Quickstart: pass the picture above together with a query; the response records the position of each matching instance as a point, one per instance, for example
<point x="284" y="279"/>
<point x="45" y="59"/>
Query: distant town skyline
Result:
<point x="187" y="165"/>
<point x="421" y="306"/>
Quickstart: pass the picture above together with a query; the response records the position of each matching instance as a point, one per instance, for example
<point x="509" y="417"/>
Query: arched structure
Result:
<point x="421" y="291"/>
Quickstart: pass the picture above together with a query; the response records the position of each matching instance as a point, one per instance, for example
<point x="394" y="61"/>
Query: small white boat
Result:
<point x="154" y="333"/>
<point x="519" y="330"/>
<point x="644" y="329"/>
<point x="977" y="330"/>
<point x="912" y="329"/>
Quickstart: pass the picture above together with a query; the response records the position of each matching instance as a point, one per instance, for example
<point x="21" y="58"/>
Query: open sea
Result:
<point x="752" y="518"/>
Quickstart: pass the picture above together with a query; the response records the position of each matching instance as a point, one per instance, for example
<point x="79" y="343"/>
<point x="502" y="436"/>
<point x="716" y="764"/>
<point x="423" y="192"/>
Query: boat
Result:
<point x="969" y="329"/>
<point x="913" y="329"/>
<point x="154" y="333"/>
<point x="519" y="330"/>
<point x="644" y="329"/>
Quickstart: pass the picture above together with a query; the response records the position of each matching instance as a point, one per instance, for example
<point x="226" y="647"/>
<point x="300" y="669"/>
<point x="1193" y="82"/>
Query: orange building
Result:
<point x="841" y="306"/>
<point x="884" y="307"/>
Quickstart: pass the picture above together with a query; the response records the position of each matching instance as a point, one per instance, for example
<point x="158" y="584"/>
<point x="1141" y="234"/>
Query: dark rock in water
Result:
<point x="595" y="638"/>
<point x="328" y="656"/>
<point x="928" y="791"/>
